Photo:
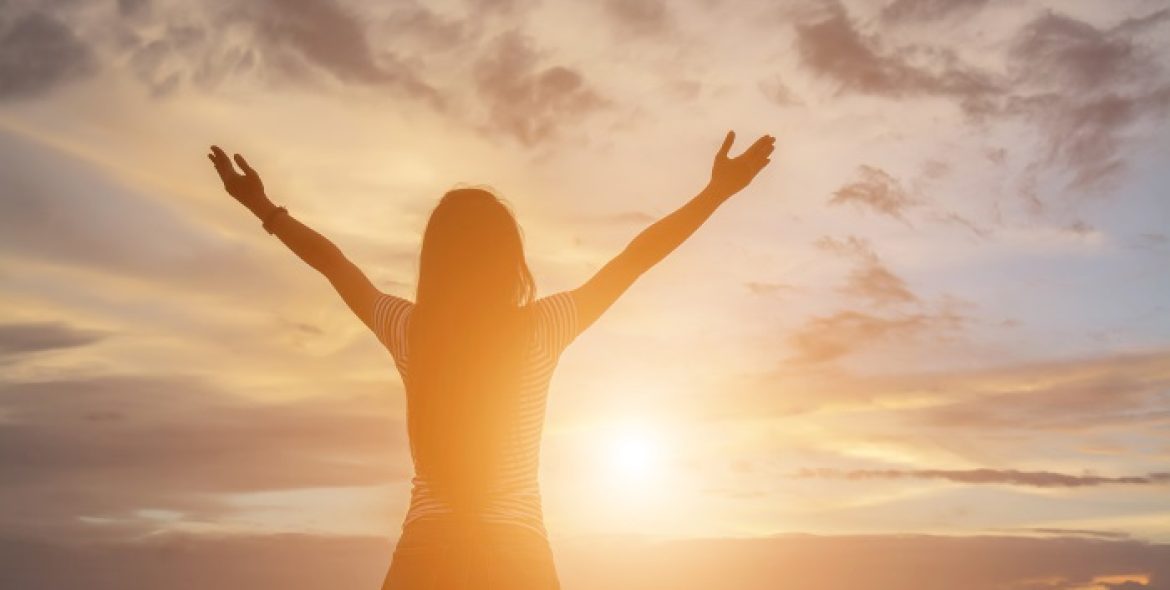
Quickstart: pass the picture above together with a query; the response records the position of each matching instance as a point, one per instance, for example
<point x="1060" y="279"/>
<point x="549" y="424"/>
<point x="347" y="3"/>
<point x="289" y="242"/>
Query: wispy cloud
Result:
<point x="1039" y="479"/>
<point x="875" y="189"/>
<point x="870" y="280"/>
<point x="828" y="338"/>
<point x="27" y="337"/>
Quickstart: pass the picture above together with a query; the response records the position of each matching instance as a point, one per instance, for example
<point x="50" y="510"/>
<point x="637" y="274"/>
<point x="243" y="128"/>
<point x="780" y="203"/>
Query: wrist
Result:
<point x="715" y="193"/>
<point x="269" y="219"/>
<point x="263" y="207"/>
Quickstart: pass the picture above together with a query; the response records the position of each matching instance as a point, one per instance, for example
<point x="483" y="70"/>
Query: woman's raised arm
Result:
<point x="311" y="247"/>
<point x="728" y="176"/>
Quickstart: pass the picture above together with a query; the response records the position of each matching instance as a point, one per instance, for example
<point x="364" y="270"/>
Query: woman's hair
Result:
<point x="467" y="337"/>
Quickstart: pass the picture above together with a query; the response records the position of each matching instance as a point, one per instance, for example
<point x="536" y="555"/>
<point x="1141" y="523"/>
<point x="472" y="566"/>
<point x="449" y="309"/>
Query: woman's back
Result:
<point x="476" y="392"/>
<point x="514" y="494"/>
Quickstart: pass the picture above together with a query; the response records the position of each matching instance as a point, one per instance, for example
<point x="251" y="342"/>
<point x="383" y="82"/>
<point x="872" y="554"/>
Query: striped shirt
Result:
<point x="516" y="497"/>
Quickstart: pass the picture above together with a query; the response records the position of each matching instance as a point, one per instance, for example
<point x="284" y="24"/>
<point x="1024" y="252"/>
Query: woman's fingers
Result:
<point x="222" y="163"/>
<point x="727" y="141"/>
<point x="762" y="148"/>
<point x="244" y="165"/>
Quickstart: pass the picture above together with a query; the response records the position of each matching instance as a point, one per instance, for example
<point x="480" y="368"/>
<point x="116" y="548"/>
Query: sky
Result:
<point x="936" y="323"/>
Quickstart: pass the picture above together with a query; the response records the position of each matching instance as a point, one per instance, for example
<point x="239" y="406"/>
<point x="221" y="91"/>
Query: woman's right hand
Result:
<point x="247" y="187"/>
<point x="731" y="175"/>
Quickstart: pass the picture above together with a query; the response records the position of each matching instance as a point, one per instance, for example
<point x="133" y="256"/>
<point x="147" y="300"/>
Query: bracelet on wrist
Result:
<point x="270" y="216"/>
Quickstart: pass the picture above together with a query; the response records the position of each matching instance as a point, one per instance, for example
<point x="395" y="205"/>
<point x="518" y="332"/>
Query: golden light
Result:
<point x="632" y="458"/>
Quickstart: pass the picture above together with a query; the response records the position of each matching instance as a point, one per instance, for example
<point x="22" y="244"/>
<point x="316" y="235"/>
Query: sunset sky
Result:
<point x="939" y="316"/>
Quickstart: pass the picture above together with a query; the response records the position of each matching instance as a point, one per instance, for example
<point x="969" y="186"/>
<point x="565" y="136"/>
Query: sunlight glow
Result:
<point x="632" y="459"/>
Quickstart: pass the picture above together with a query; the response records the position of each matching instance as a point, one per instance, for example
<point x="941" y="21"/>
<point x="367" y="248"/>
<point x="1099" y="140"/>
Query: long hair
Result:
<point x="467" y="338"/>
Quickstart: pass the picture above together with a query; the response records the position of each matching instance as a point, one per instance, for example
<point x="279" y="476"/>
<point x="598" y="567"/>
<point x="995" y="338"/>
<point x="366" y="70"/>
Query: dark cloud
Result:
<point x="1084" y="89"/>
<point x="880" y="562"/>
<point x="432" y="31"/>
<point x="1142" y="24"/>
<point x="21" y="338"/>
<point x="870" y="280"/>
<point x="275" y="43"/>
<point x="107" y="446"/>
<point x="1039" y="479"/>
<point x="1066" y="51"/>
<point x="876" y="189"/>
<point x="643" y="17"/>
<point x="526" y="100"/>
<point x="323" y="34"/>
<point x="926" y="10"/>
<point x="133" y="7"/>
<point x="1087" y="135"/>
<point x="37" y="53"/>
<point x="833" y="48"/>
<point x="1079" y="533"/>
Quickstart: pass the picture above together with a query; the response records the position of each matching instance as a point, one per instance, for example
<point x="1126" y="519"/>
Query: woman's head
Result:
<point x="472" y="249"/>
<point x="467" y="339"/>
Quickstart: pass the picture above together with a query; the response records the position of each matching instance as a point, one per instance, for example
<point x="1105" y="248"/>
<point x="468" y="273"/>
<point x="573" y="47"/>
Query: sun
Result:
<point x="633" y="458"/>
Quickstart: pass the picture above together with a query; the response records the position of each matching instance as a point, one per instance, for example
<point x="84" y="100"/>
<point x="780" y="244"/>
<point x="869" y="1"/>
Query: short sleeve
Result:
<point x="389" y="323"/>
<point x="556" y="321"/>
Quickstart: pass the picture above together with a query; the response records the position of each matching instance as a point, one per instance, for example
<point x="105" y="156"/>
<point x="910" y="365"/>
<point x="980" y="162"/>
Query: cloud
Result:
<point x="952" y="218"/>
<point x="1122" y="391"/>
<point x="299" y="42"/>
<point x="17" y="339"/>
<point x="55" y="207"/>
<point x="927" y="10"/>
<point x="778" y="92"/>
<point x="1082" y="88"/>
<point x="642" y="17"/>
<point x="870" y="280"/>
<point x="323" y="34"/>
<point x="1039" y="479"/>
<point x="309" y="562"/>
<point x="834" y="49"/>
<point x="1026" y="402"/>
<point x="877" y="190"/>
<point x="194" y="561"/>
<point x="38" y="52"/>
<point x="827" y="338"/>
<point x="1078" y="532"/>
<point x="526" y="100"/>
<point x="112" y="445"/>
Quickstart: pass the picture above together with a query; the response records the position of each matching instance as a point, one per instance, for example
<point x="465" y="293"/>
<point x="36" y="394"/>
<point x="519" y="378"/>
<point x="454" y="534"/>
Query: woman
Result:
<point x="476" y="352"/>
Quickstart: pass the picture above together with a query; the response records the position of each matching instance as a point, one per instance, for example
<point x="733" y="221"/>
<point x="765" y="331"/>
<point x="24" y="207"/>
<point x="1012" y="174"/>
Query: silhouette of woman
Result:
<point x="476" y="351"/>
